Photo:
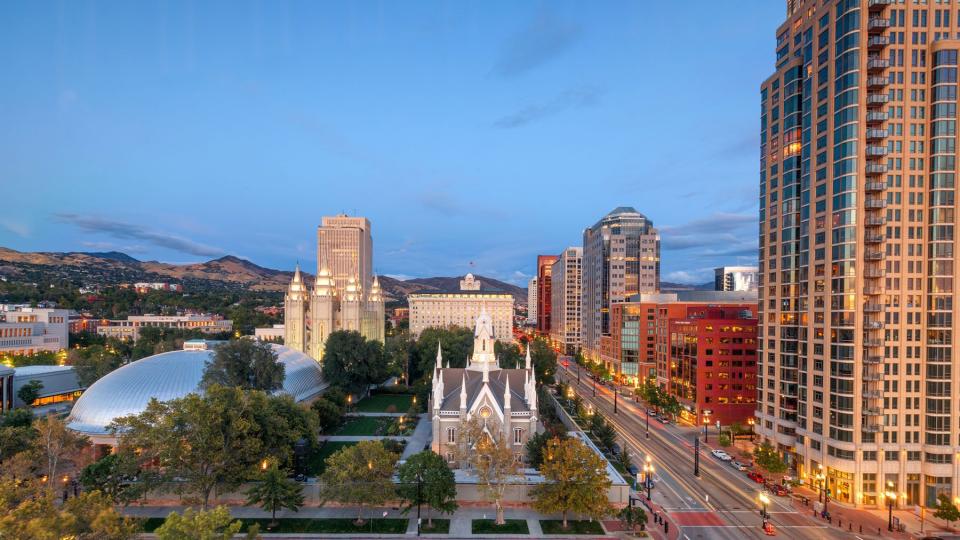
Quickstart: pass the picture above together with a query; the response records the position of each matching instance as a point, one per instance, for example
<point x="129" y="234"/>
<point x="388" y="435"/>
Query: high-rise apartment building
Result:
<point x="544" y="292"/>
<point x="735" y="278"/>
<point x="857" y="210"/>
<point x="532" y="301"/>
<point x="565" y="304"/>
<point x="621" y="257"/>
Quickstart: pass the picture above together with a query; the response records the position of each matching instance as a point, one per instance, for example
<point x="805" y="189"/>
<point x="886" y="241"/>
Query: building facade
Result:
<point x="621" y="258"/>
<point x="129" y="328"/>
<point x="504" y="400"/>
<point x="857" y="242"/>
<point x="345" y="295"/>
<point x="28" y="330"/>
<point x="736" y="278"/>
<point x="544" y="292"/>
<point x="273" y="334"/>
<point x="532" y="301"/>
<point x="461" y="308"/>
<point x="565" y="304"/>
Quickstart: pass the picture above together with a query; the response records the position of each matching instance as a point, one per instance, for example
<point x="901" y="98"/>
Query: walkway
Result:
<point x="420" y="438"/>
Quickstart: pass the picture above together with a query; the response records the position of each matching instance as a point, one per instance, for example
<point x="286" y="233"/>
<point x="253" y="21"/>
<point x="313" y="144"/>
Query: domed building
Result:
<point x="168" y="376"/>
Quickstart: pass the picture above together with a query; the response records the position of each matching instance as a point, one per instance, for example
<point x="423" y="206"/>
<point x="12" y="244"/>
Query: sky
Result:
<point x="473" y="135"/>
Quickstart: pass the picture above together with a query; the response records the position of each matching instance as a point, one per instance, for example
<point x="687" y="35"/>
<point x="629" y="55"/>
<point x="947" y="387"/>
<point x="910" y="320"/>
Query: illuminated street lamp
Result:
<point x="764" y="500"/>
<point x="891" y="499"/>
<point x="751" y="422"/>
<point x="706" y="422"/>
<point x="648" y="475"/>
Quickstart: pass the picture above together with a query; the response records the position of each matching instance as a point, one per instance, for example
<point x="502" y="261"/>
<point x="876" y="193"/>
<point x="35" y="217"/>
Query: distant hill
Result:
<point x="231" y="273"/>
<point x="667" y="286"/>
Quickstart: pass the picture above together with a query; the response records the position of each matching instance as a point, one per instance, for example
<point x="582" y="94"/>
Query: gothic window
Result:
<point x="449" y="456"/>
<point x="451" y="435"/>
<point x="517" y="436"/>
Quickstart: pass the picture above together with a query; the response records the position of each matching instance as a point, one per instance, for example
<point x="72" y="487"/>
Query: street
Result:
<point x="721" y="503"/>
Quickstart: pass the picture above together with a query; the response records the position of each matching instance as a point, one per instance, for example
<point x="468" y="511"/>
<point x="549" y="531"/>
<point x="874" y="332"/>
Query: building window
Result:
<point x="450" y="456"/>
<point x="451" y="435"/>
<point x="517" y="436"/>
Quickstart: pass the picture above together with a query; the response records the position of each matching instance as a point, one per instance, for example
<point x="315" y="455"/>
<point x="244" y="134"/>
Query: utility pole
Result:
<point x="696" y="457"/>
<point x="648" y="422"/>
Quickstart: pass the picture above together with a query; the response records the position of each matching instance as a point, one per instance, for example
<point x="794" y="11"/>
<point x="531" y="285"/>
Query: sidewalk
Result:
<point x="864" y="522"/>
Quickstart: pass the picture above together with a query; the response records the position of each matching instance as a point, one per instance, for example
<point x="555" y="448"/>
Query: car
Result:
<point x="721" y="455"/>
<point x="664" y="420"/>
<point x="778" y="490"/>
<point x="615" y="449"/>
<point x="652" y="412"/>
<point x="633" y="470"/>
<point x="756" y="477"/>
<point x="738" y="465"/>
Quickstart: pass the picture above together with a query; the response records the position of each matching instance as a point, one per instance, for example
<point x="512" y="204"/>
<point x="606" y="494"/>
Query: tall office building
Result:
<point x="532" y="301"/>
<point x="345" y="250"/>
<point x="544" y="294"/>
<point x="621" y="257"/>
<point x="857" y="172"/>
<point x="735" y="278"/>
<point x="565" y="304"/>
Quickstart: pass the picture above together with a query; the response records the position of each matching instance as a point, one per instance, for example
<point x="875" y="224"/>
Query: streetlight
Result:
<point x="751" y="422"/>
<point x="820" y="480"/>
<point x="891" y="498"/>
<point x="648" y="422"/>
<point x="764" y="500"/>
<point x="706" y="422"/>
<point x="648" y="475"/>
<point x="615" y="398"/>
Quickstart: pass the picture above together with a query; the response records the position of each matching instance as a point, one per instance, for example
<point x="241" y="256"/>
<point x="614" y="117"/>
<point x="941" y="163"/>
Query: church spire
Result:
<point x="486" y="372"/>
<point x="439" y="357"/>
<point x="506" y="394"/>
<point x="527" y="360"/>
<point x="463" y="391"/>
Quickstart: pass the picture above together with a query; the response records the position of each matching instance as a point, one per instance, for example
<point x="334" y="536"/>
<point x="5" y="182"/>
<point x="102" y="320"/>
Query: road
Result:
<point x="722" y="503"/>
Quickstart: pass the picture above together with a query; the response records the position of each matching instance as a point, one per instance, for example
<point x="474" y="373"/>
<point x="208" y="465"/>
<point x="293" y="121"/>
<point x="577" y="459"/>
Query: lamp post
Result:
<point x="594" y="380"/>
<point x="751" y="422"/>
<point x="615" y="398"/>
<point x="764" y="501"/>
<point x="891" y="498"/>
<point x="648" y="475"/>
<point x="648" y="422"/>
<point x="419" y="485"/>
<point x="706" y="422"/>
<point x="819" y="477"/>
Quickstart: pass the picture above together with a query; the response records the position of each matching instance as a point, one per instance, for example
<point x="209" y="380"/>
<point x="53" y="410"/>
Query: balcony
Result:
<point x="878" y="5"/>
<point x="873" y="256"/>
<point x="873" y="238"/>
<point x="873" y="359"/>
<point x="877" y="99"/>
<point x="872" y="428"/>
<point x="873" y="325"/>
<point x="872" y="291"/>
<point x="874" y="203"/>
<point x="872" y="394"/>
<point x="876" y="134"/>
<point x="872" y="342"/>
<point x="874" y="150"/>
<point x="875" y="221"/>
<point x="872" y="411"/>
<point x="874" y="273"/>
<point x="878" y="23"/>
<point x="875" y="186"/>
<point x="873" y="377"/>
<point x="872" y="308"/>
<point x="877" y="83"/>
<point x="875" y="63"/>
<point x="876" y="43"/>
<point x="874" y="117"/>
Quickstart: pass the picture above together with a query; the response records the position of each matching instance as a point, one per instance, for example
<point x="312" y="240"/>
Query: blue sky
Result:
<point x="474" y="135"/>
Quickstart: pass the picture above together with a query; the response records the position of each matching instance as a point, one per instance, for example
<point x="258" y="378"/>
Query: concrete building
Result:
<point x="346" y="295"/>
<point x="29" y="330"/>
<point x="544" y="292"/>
<point x="129" y="328"/>
<point x="621" y="258"/>
<point x="461" y="308"/>
<point x="532" y="301"/>
<point x="857" y="240"/>
<point x="735" y="278"/>
<point x="7" y="394"/>
<point x="273" y="334"/>
<point x="504" y="400"/>
<point x="565" y="304"/>
<point x="60" y="386"/>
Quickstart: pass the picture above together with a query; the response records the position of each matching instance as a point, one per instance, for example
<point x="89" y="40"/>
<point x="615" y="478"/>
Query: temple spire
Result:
<point x="439" y="356"/>
<point x="463" y="391"/>
<point x="506" y="394"/>
<point x="527" y="360"/>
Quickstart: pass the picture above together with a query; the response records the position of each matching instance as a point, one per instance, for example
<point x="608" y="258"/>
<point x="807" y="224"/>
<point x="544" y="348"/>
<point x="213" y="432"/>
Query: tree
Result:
<point x="946" y="510"/>
<point x="16" y="433"/>
<point x="275" y="492"/>
<point x="359" y="475"/>
<point x="29" y="392"/>
<point x="425" y="478"/>
<point x="456" y="343"/>
<point x="723" y="440"/>
<point x="210" y="441"/>
<point x="29" y="511"/>
<point x="54" y="443"/>
<point x="508" y="354"/>
<point x="336" y="396"/>
<point x="633" y="517"/>
<point x="93" y="516"/>
<point x="766" y="457"/>
<point x="203" y="525"/>
<point x="576" y="481"/>
<point x="245" y="363"/>
<point x="544" y="361"/>
<point x="328" y="414"/>
<point x="398" y="351"/>
<point x="282" y="422"/>
<point x="353" y="362"/>
<point x="536" y="444"/>
<point x="490" y="458"/>
<point x="113" y="475"/>
<point x="93" y="362"/>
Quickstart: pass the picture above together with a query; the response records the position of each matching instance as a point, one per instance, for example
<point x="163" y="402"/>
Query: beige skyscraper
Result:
<point x="857" y="210"/>
<point x="346" y="294"/>
<point x="565" y="304"/>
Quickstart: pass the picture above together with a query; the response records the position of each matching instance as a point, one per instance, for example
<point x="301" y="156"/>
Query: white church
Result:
<point x="504" y="400"/>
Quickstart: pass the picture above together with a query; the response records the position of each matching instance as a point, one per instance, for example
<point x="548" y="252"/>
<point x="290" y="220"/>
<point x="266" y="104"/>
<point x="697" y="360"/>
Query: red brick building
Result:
<point x="544" y="292"/>
<point x="713" y="363"/>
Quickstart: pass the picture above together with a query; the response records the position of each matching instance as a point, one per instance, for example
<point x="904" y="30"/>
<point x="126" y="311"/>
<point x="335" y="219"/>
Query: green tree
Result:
<point x="492" y="460"/>
<point x="30" y="392"/>
<point x="328" y="414"/>
<point x="767" y="458"/>
<point x="29" y="511"/>
<point x="544" y="361"/>
<point x="93" y="362"/>
<point x="536" y="444"/>
<point x="456" y="343"/>
<point x="946" y="510"/>
<point x="425" y="478"/>
<point x="281" y="423"/>
<point x="508" y="354"/>
<point x="210" y="441"/>
<point x="336" y="396"/>
<point x="359" y="475"/>
<point x="214" y="524"/>
<point x="576" y="481"/>
<point x="245" y="363"/>
<point x="633" y="517"/>
<point x="275" y="491"/>
<point x="16" y="433"/>
<point x="112" y="475"/>
<point x="352" y="362"/>
<point x="398" y="351"/>
<point x="723" y="439"/>
<point x="55" y="443"/>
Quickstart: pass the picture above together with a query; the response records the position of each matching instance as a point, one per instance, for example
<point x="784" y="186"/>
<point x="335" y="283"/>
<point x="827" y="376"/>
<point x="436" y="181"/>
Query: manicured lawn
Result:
<point x="555" y="526"/>
<point x="316" y="463"/>
<point x="363" y="425"/>
<point x="380" y="402"/>
<point x="440" y="526"/>
<point x="323" y="525"/>
<point x="489" y="526"/>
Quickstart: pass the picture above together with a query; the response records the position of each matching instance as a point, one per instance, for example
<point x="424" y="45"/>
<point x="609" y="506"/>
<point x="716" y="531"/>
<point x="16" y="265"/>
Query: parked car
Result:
<point x="633" y="470"/>
<point x="778" y="490"/>
<point x="615" y="449"/>
<point x="663" y="419"/>
<point x="721" y="455"/>
<point x="738" y="465"/>
<point x="756" y="477"/>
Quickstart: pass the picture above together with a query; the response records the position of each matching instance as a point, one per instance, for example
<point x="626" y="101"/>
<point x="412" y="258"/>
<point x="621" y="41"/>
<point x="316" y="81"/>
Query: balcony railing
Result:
<point x="873" y="325"/>
<point x="875" y="203"/>
<point x="877" y="42"/>
<point x="873" y="255"/>
<point x="875" y="221"/>
<point x="877" y="116"/>
<point x="871" y="307"/>
<point x="874" y="150"/>
<point x="874" y="134"/>
<point x="875" y="63"/>
<point x="877" y="82"/>
<point x="872" y="428"/>
<point x="873" y="238"/>
<point x="878" y="23"/>
<point x="875" y="186"/>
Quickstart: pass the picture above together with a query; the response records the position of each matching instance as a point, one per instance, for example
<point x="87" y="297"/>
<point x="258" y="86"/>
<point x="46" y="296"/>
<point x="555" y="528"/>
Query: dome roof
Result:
<point x="172" y="375"/>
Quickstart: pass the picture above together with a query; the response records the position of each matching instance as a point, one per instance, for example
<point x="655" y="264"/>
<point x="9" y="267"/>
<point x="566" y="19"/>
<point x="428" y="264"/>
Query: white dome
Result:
<point x="172" y="375"/>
